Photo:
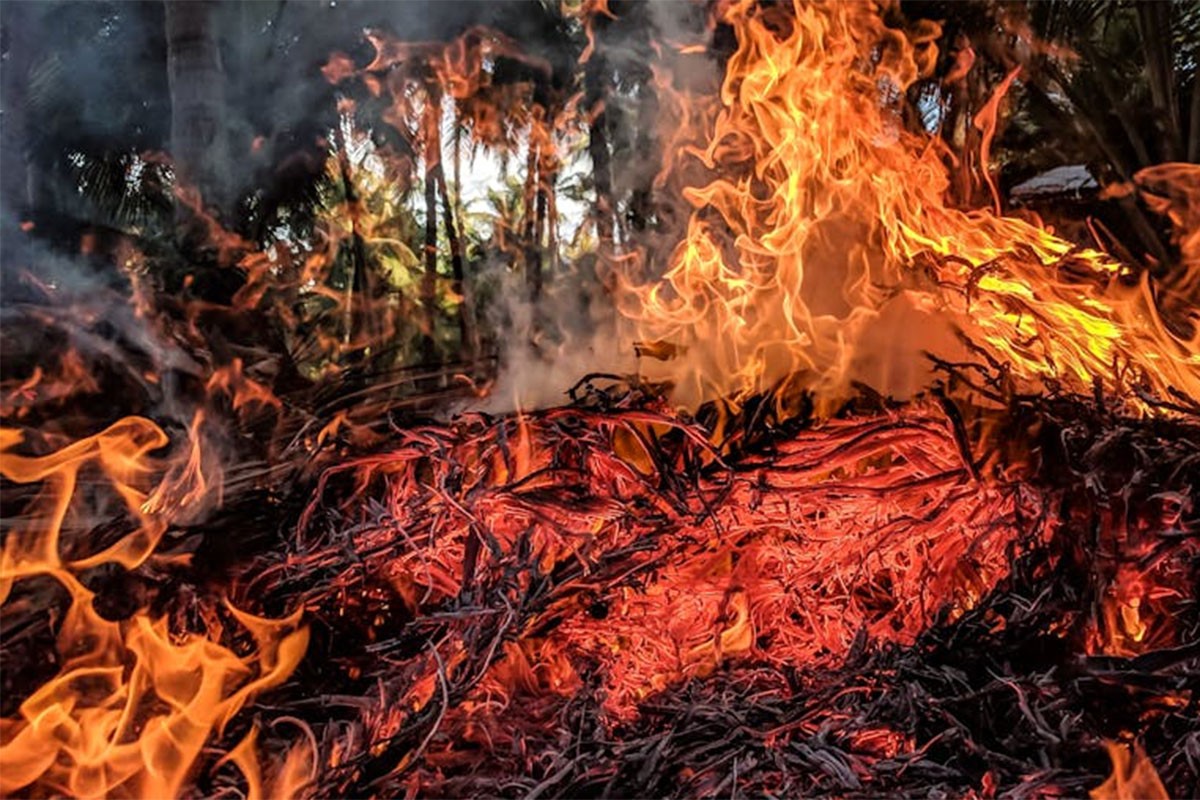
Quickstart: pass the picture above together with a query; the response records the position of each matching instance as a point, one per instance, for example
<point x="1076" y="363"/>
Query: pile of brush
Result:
<point x="937" y="597"/>
<point x="976" y="591"/>
<point x="595" y="601"/>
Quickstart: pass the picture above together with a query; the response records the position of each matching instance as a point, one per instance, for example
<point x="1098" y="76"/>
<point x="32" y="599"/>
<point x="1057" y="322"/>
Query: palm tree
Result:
<point x="199" y="145"/>
<point x="1112" y="85"/>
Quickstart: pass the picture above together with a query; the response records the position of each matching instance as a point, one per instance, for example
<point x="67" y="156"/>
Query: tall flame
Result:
<point x="823" y="242"/>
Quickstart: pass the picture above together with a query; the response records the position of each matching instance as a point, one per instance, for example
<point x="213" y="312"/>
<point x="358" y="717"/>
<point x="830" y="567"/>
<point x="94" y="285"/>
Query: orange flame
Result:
<point x="47" y="388"/>
<point x="243" y="391"/>
<point x="133" y="703"/>
<point x="791" y="560"/>
<point x="130" y="716"/>
<point x="1133" y="777"/>
<point x="823" y="242"/>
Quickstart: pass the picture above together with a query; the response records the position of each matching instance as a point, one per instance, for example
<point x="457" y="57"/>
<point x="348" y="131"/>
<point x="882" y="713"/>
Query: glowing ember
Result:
<point x="862" y="528"/>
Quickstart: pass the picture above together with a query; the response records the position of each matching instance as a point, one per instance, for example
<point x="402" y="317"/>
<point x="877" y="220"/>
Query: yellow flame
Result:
<point x="823" y="245"/>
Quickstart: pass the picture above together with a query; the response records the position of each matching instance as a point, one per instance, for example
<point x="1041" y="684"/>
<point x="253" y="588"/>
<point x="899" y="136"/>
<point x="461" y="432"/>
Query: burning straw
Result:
<point x="759" y="578"/>
<point x="592" y="601"/>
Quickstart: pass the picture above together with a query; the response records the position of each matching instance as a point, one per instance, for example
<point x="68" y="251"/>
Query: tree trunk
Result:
<point x="648" y="155"/>
<point x="1194" y="122"/>
<point x="539" y="230"/>
<point x="528" y="222"/>
<point x="433" y="157"/>
<point x="16" y="162"/>
<point x="1154" y="24"/>
<point x="197" y="81"/>
<point x="968" y="139"/>
<point x="552" y="222"/>
<point x="595" y="79"/>
<point x="458" y="139"/>
<point x="359" y="291"/>
<point x="469" y="334"/>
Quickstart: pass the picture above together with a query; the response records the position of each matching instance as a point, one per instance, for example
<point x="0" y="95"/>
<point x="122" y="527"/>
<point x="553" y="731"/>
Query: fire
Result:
<point x="822" y="250"/>
<point x="122" y="452"/>
<point x="802" y="556"/>
<point x="615" y="551"/>
<point x="244" y="392"/>
<point x="862" y="525"/>
<point x="134" y="701"/>
<point x="44" y="388"/>
<point x="130" y="714"/>
<point x="1133" y="776"/>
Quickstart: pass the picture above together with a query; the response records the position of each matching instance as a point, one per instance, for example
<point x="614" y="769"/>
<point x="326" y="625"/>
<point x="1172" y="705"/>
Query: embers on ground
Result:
<point x="591" y="601"/>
